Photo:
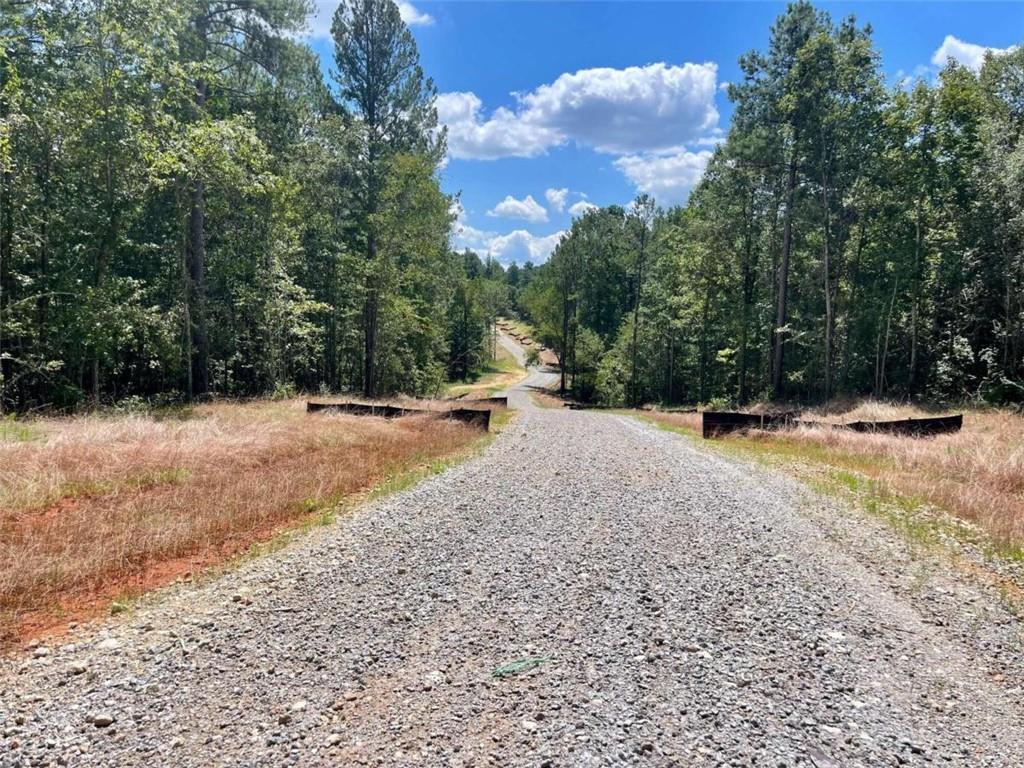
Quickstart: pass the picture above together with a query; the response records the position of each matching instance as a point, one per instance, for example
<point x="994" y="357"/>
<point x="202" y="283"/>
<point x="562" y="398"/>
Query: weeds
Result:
<point x="107" y="506"/>
<point x="497" y="376"/>
<point x="976" y="474"/>
<point x="14" y="431"/>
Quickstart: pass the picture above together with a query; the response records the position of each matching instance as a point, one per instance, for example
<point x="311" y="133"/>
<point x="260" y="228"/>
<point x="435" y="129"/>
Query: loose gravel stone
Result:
<point x="688" y="609"/>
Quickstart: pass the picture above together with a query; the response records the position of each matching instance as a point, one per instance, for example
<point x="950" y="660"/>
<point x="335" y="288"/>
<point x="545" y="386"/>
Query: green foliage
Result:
<point x="13" y="431"/>
<point x="380" y="78"/>
<point x="588" y="353"/>
<point x="185" y="206"/>
<point x="844" y="239"/>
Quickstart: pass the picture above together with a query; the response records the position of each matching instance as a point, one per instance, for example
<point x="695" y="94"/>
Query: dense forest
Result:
<point x="847" y="238"/>
<point x="188" y="207"/>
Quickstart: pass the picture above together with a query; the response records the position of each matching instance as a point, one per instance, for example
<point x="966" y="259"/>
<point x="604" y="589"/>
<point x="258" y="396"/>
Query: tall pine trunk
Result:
<point x="563" y="357"/>
<point x="742" y="395"/>
<point x="845" y="354"/>
<point x="634" y="396"/>
<point x="200" y="352"/>
<point x="827" y="269"/>
<point x="43" y="300"/>
<point x="371" y="312"/>
<point x="186" y="312"/>
<point x="371" y="304"/>
<point x="370" y="347"/>
<point x="916" y="303"/>
<point x="200" y="347"/>
<point x="783" y="280"/>
<point x="882" y="356"/>
<point x="106" y="251"/>
<point x="747" y="278"/>
<point x="331" y="336"/>
<point x="6" y="245"/>
<point x="671" y="395"/>
<point x="705" y="314"/>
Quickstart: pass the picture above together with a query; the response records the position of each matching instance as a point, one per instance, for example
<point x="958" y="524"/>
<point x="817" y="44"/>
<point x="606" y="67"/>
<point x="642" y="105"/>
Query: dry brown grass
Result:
<point x="96" y="507"/>
<point x="976" y="474"/>
<point x="687" y="422"/>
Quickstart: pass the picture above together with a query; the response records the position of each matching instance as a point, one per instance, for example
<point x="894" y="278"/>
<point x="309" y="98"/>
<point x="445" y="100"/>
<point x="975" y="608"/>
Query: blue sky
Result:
<point x="553" y="106"/>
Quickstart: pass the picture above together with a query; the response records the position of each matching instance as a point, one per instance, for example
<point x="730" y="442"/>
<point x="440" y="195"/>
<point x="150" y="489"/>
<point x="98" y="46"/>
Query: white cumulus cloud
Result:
<point x="521" y="246"/>
<point x="526" y="209"/>
<point x="556" y="198"/>
<point x="657" y="107"/>
<point x="319" y="20"/>
<point x="516" y="246"/>
<point x="580" y="208"/>
<point x="413" y="16"/>
<point x="668" y="178"/>
<point x="503" y="134"/>
<point x="466" y="236"/>
<point x="969" y="55"/>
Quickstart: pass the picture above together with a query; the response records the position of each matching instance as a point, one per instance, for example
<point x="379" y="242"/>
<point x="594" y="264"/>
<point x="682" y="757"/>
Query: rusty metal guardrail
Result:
<point x="716" y="423"/>
<point x="926" y="427"/>
<point x="478" y="417"/>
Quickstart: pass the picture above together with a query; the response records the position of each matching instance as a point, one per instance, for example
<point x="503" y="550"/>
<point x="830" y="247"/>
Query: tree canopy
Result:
<point x="186" y="207"/>
<point x="846" y="239"/>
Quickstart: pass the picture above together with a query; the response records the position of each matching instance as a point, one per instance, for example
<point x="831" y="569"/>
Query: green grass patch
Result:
<point x="501" y="418"/>
<point x="407" y="478"/>
<point x="496" y="376"/>
<point x="666" y="426"/>
<point x="505" y="363"/>
<point x="776" y="449"/>
<point x="14" y="431"/>
<point x="913" y="518"/>
<point x="142" y="481"/>
<point x="854" y="478"/>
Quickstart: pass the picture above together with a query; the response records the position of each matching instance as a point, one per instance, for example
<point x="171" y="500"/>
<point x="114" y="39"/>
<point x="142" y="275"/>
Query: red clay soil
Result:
<point x="82" y="605"/>
<point x="128" y="505"/>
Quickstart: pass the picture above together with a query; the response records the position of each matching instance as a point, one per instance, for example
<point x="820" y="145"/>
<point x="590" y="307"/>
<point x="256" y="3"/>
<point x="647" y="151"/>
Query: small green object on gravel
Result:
<point x="519" y="665"/>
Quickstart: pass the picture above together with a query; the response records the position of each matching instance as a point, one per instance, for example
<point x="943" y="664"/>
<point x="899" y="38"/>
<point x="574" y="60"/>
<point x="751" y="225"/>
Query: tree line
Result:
<point x="847" y="238"/>
<point x="188" y="206"/>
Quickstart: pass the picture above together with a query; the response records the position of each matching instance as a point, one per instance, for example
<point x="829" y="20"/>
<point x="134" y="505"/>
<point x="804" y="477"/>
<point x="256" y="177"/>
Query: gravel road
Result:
<point x="679" y="609"/>
<point x="512" y="347"/>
